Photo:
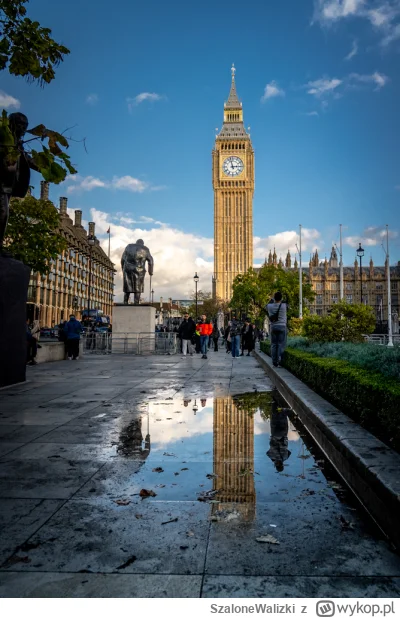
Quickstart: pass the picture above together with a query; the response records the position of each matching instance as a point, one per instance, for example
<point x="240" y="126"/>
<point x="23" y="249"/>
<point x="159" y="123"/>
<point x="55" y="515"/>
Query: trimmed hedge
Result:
<point x="367" y="397"/>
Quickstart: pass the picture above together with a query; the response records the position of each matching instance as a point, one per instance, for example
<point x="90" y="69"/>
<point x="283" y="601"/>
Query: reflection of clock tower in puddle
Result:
<point x="233" y="183"/>
<point x="233" y="460"/>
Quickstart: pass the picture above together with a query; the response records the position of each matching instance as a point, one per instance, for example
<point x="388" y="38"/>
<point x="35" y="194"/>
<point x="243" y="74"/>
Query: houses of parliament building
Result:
<point x="233" y="179"/>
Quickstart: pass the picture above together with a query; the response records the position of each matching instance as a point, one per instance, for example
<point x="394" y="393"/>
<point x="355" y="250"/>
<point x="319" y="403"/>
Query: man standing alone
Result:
<point x="186" y="332"/>
<point x="205" y="332"/>
<point x="73" y="330"/>
<point x="277" y="313"/>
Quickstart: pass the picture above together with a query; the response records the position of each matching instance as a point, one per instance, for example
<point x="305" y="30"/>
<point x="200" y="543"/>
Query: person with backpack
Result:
<point x="215" y="336"/>
<point x="277" y="313"/>
<point x="234" y="332"/>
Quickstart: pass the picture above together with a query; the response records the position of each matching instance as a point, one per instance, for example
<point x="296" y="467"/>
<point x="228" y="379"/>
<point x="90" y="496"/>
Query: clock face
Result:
<point x="233" y="166"/>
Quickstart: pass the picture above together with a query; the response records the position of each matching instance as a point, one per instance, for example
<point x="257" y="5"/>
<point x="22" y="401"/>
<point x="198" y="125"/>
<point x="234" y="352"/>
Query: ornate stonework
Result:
<point x="233" y="184"/>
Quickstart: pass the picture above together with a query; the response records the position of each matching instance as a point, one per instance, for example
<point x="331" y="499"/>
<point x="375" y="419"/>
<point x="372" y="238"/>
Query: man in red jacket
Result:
<point x="205" y="329"/>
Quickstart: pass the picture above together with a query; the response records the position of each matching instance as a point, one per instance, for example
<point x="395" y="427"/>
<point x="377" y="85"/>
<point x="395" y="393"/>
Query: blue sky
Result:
<point x="145" y="85"/>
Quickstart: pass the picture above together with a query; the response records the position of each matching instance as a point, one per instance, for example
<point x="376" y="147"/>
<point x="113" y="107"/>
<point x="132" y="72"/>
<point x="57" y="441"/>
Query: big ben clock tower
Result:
<point x="233" y="183"/>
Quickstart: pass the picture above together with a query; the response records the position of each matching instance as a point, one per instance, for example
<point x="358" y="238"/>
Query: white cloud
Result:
<point x="122" y="183"/>
<point x="143" y="96"/>
<point x="377" y="78"/>
<point x="332" y="10"/>
<point x="284" y="241"/>
<point x="92" y="99"/>
<point x="129" y="183"/>
<point x="7" y="101"/>
<point x="371" y="236"/>
<point x="321" y="87"/>
<point x="312" y="113"/>
<point x="84" y="184"/>
<point x="353" y="52"/>
<point x="383" y="15"/>
<point x="272" y="90"/>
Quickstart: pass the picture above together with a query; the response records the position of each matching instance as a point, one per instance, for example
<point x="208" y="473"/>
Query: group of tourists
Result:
<point x="197" y="336"/>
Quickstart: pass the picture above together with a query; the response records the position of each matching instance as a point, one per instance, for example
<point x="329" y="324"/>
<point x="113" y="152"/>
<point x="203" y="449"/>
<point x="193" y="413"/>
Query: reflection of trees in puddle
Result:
<point x="254" y="402"/>
<point x="132" y="444"/>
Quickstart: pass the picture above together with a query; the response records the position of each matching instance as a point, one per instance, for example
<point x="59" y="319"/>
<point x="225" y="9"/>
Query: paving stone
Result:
<point x="231" y="587"/>
<point x="100" y="536"/>
<point x="98" y="585"/>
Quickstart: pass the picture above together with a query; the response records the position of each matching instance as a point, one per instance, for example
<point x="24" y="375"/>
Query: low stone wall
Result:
<point x="53" y="351"/>
<point x="369" y="467"/>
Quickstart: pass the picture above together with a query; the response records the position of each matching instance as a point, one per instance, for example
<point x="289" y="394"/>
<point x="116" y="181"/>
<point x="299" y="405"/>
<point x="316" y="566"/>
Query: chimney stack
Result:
<point x="161" y="302"/>
<point x="78" y="218"/>
<point x="63" y="205"/>
<point x="91" y="228"/>
<point x="44" y="190"/>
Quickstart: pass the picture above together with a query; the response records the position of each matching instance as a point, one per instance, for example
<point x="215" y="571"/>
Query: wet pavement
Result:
<point x="163" y="476"/>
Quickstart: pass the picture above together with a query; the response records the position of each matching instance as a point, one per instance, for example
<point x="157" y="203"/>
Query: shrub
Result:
<point x="346" y="322"/>
<point x="295" y="327"/>
<point x="372" y="357"/>
<point x="365" y="396"/>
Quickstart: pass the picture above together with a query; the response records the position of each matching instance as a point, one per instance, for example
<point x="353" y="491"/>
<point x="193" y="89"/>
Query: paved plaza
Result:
<point x="149" y="477"/>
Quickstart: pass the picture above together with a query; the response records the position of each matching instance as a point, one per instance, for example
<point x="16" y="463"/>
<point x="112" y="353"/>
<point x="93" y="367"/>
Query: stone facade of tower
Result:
<point x="233" y="184"/>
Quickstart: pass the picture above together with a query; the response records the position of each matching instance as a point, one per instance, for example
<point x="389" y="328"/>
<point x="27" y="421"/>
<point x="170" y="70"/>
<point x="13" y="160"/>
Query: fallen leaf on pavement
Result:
<point x="170" y="521"/>
<point x="169" y="454"/>
<point x="190" y="533"/>
<point x="176" y="473"/>
<point x="122" y="502"/>
<point x="182" y="469"/>
<point x="158" y="469"/>
<point x="138" y="516"/>
<point x="127" y="563"/>
<point x="184" y="547"/>
<point x="211" y="476"/>
<point x="146" y="493"/>
<point x="268" y="538"/>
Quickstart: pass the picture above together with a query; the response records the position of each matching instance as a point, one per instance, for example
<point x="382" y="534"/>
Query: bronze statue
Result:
<point x="133" y="263"/>
<point x="14" y="169"/>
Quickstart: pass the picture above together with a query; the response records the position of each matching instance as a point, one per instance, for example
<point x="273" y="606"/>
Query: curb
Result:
<point x="369" y="467"/>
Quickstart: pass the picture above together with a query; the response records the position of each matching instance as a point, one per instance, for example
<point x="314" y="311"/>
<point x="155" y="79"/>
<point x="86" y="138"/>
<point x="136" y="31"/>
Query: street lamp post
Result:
<point x="91" y="241"/>
<point x="196" y="280"/>
<point x="360" y="253"/>
<point x="152" y="296"/>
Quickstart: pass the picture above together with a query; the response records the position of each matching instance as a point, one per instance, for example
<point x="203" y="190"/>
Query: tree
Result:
<point x="253" y="290"/>
<point x="345" y="322"/>
<point x="26" y="48"/>
<point x="209" y="305"/>
<point x="32" y="233"/>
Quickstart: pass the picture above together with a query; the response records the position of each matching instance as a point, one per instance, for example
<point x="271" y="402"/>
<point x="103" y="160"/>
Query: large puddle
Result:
<point x="232" y="452"/>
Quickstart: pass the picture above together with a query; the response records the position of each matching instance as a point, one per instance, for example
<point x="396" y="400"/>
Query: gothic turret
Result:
<point x="270" y="258"/>
<point x="274" y="258"/>
<point x="288" y="261"/>
<point x="333" y="260"/>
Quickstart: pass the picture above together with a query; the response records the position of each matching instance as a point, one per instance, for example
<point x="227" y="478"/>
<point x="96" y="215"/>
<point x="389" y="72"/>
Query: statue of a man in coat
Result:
<point x="133" y="263"/>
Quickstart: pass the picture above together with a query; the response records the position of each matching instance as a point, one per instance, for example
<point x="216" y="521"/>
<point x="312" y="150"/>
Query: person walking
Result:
<point x="227" y="337"/>
<point x="277" y="313"/>
<point x="73" y="330"/>
<point x="205" y="329"/>
<point x="248" y="337"/>
<point x="234" y="333"/>
<point x="215" y="336"/>
<point x="186" y="331"/>
<point x="31" y="343"/>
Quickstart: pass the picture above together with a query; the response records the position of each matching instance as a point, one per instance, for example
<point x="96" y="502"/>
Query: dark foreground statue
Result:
<point x="15" y="166"/>
<point x="133" y="263"/>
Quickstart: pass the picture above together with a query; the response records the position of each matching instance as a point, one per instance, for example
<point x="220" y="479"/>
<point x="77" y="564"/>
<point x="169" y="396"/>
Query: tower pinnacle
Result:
<point x="233" y="71"/>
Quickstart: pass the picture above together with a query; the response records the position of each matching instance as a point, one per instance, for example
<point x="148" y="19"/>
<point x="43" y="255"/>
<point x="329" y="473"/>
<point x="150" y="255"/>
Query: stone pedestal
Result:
<point x="133" y="329"/>
<point x="14" y="280"/>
